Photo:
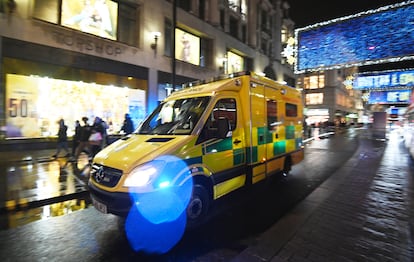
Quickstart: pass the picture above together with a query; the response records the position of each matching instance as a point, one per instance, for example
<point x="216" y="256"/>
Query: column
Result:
<point x="152" y="90"/>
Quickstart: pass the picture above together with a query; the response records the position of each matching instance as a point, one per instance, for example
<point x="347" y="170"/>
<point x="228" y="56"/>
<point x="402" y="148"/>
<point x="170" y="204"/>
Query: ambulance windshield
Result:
<point x="175" y="117"/>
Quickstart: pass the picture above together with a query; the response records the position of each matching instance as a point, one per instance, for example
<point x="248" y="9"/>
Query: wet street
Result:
<point x="240" y="224"/>
<point x="38" y="187"/>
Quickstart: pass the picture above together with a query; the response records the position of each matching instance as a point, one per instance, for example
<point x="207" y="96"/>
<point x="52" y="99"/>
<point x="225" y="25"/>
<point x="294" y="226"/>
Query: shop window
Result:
<point x="35" y="104"/>
<point x="222" y="19"/>
<point x="206" y="47"/>
<point x="184" y="4"/>
<point x="314" y="81"/>
<point x="235" y="63"/>
<point x="127" y="25"/>
<point x="284" y="34"/>
<point x="167" y="37"/>
<point x="264" y="22"/>
<point x="314" y="99"/>
<point x="97" y="17"/>
<point x="107" y="19"/>
<point x="46" y="10"/>
<point x="244" y="34"/>
<point x="188" y="47"/>
<point x="234" y="5"/>
<point x="202" y="9"/>
<point x="234" y="27"/>
<point x="291" y="110"/>
<point x="290" y="81"/>
<point x="238" y="6"/>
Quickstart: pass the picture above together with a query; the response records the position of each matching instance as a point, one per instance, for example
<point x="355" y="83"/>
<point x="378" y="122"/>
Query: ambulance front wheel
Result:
<point x="198" y="206"/>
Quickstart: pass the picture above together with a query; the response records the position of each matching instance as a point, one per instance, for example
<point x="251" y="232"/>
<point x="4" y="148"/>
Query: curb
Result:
<point x="25" y="204"/>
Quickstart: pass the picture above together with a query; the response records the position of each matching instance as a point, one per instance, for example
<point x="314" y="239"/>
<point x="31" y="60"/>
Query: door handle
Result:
<point x="236" y="141"/>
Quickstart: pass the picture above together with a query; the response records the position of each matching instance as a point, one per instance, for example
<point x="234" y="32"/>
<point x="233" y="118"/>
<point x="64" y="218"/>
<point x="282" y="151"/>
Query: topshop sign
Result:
<point x="84" y="44"/>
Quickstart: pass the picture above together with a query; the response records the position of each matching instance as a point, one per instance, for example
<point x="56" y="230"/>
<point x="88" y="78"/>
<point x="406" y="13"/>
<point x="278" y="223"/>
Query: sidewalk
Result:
<point x="363" y="212"/>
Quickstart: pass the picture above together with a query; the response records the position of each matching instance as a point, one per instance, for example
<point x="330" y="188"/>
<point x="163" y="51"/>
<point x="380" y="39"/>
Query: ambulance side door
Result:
<point x="224" y="156"/>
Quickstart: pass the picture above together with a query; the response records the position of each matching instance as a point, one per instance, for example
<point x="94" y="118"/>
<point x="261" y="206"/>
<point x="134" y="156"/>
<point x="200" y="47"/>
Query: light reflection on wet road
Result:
<point x="39" y="188"/>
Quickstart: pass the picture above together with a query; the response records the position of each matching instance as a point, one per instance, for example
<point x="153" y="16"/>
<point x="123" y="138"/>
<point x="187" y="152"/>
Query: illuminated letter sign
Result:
<point x="390" y="97"/>
<point x="380" y="80"/>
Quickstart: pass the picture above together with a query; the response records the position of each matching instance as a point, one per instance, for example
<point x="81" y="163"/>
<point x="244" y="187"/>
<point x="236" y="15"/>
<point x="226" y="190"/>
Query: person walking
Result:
<point x="127" y="126"/>
<point x="85" y="132"/>
<point x="98" y="131"/>
<point x="76" y="137"/>
<point x="62" y="141"/>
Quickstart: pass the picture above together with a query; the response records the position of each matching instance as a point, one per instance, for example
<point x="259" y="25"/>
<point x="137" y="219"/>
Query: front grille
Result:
<point x="105" y="176"/>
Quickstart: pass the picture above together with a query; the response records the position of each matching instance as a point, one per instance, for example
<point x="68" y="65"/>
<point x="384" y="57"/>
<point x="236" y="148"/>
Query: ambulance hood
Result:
<point x="129" y="152"/>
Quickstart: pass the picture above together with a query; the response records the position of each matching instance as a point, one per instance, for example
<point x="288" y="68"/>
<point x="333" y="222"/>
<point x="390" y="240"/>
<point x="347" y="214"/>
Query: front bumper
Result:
<point x="116" y="203"/>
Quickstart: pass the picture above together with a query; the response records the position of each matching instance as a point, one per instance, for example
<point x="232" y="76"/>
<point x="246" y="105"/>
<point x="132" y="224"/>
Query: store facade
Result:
<point x="59" y="60"/>
<point x="43" y="84"/>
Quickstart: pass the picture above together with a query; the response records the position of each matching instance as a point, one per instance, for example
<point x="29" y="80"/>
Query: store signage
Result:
<point x="389" y="97"/>
<point x="379" y="80"/>
<point x="85" y="44"/>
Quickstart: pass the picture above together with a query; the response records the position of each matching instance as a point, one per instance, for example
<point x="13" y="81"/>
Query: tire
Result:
<point x="198" y="207"/>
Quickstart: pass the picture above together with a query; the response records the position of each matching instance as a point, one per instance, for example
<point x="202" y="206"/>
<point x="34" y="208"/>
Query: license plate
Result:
<point x="99" y="206"/>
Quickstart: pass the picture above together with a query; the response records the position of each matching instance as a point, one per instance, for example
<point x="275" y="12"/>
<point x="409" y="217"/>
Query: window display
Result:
<point x="187" y="47"/>
<point x="34" y="105"/>
<point x="98" y="17"/>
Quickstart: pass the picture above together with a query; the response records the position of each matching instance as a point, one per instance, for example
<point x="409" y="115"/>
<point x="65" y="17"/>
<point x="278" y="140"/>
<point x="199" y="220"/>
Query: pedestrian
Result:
<point x="127" y="126"/>
<point x="76" y="137"/>
<point x="62" y="141"/>
<point x="97" y="135"/>
<point x="85" y="132"/>
<point x="105" y="127"/>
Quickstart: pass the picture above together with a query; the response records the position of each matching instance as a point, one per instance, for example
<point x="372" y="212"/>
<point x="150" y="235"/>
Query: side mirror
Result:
<point x="223" y="127"/>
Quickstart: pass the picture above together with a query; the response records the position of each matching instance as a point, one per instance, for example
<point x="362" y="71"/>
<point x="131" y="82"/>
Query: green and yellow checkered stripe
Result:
<point x="289" y="139"/>
<point x="223" y="146"/>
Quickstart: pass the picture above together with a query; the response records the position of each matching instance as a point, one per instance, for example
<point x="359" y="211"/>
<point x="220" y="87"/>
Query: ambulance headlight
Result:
<point x="144" y="175"/>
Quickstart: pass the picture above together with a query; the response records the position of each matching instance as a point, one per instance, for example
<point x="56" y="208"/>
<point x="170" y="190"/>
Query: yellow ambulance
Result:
<point x="231" y="132"/>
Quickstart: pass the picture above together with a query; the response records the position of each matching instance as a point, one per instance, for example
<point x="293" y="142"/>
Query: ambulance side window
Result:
<point x="224" y="108"/>
<point x="272" y="115"/>
<point x="291" y="110"/>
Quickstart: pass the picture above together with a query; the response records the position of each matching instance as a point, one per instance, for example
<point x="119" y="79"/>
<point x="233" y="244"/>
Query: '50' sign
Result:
<point x="18" y="107"/>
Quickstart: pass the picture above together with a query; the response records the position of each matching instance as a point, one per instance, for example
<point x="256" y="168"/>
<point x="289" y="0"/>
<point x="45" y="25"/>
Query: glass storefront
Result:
<point x="35" y="104"/>
<point x="38" y="95"/>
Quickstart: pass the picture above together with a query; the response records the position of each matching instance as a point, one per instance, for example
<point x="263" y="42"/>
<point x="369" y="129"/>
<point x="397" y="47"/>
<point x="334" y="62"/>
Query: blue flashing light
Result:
<point x="153" y="238"/>
<point x="157" y="220"/>
<point x="164" y="184"/>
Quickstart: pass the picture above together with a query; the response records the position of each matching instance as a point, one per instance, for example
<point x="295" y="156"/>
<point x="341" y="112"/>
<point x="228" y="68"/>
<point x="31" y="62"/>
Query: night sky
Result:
<point x="308" y="12"/>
